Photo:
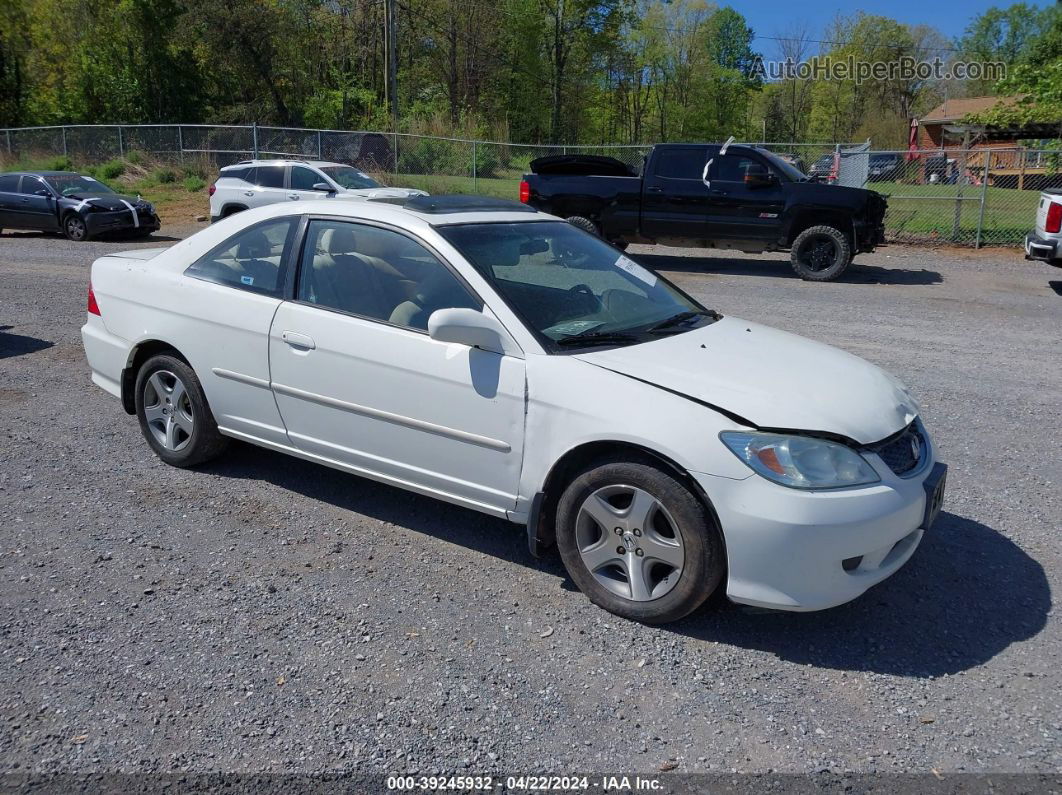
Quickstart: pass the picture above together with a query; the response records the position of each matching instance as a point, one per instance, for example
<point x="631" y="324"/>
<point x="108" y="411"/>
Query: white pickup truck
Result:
<point x="1045" y="241"/>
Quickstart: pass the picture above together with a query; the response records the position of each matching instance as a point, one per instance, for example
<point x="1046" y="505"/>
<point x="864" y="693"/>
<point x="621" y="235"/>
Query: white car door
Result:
<point x="301" y="180"/>
<point x="225" y="319"/>
<point x="268" y="187"/>
<point x="359" y="381"/>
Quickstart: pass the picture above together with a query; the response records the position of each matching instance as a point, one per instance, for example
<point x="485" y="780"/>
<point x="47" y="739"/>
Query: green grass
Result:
<point x="499" y="188"/>
<point x="920" y="212"/>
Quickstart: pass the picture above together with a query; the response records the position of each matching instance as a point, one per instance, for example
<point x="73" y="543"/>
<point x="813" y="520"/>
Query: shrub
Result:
<point x="164" y="176"/>
<point x="136" y="157"/>
<point x="112" y="169"/>
<point x="194" y="183"/>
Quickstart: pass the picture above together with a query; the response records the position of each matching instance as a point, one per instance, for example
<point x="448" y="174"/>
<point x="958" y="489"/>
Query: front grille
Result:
<point x="905" y="451"/>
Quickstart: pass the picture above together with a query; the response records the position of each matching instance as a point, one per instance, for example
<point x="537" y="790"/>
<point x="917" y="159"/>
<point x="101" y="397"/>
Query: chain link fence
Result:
<point x="965" y="197"/>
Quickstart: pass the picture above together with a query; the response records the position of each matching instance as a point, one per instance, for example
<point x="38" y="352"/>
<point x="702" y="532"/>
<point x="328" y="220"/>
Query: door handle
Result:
<point x="248" y="193"/>
<point x="655" y="189"/>
<point x="293" y="196"/>
<point x="715" y="192"/>
<point x="297" y="340"/>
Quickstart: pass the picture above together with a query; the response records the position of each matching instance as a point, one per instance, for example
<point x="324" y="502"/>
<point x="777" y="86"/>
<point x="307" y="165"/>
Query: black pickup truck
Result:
<point x="708" y="195"/>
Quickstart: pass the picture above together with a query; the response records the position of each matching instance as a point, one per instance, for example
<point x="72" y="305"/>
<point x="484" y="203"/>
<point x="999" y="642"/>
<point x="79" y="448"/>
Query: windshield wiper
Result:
<point x="597" y="338"/>
<point x="669" y="324"/>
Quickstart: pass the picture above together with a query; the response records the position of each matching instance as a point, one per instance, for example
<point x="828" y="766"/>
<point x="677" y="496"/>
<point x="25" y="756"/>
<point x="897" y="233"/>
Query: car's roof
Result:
<point x="41" y="174"/>
<point x="432" y="211"/>
<point x="283" y="161"/>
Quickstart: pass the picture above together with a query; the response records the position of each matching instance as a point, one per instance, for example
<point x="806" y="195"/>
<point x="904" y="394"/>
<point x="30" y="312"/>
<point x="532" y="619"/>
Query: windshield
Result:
<point x="572" y="288"/>
<point x="351" y="178"/>
<point x="787" y="168"/>
<point x="75" y="185"/>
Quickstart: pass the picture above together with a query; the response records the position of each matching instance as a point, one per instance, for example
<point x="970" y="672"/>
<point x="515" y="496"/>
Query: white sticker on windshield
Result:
<point x="635" y="270"/>
<point x="91" y="179"/>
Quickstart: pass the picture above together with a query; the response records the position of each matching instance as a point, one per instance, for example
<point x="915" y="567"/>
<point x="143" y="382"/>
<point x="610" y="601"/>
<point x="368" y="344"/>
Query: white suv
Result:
<point x="255" y="183"/>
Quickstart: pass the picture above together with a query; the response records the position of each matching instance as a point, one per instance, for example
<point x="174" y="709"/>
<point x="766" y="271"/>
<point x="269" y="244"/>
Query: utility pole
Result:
<point x="391" y="58"/>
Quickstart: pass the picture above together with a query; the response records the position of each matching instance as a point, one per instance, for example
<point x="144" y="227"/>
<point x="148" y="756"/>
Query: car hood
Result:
<point x="107" y="201"/>
<point x="771" y="379"/>
<point x="380" y="193"/>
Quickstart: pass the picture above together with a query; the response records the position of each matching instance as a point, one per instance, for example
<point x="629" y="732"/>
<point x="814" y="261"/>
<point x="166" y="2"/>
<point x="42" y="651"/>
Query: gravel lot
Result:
<point x="265" y="614"/>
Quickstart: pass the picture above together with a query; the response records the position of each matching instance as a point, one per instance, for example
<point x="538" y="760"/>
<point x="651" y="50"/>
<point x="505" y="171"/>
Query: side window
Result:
<point x="235" y="173"/>
<point x="681" y="163"/>
<point x="249" y="260"/>
<point x="376" y="273"/>
<point x="30" y="185"/>
<point x="303" y="178"/>
<point x="733" y="168"/>
<point x="8" y="183"/>
<point x="270" y="176"/>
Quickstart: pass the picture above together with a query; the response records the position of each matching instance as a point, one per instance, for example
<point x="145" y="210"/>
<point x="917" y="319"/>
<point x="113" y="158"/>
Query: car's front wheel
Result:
<point x="173" y="412"/>
<point x="820" y="253"/>
<point x="638" y="542"/>
<point x="74" y="227"/>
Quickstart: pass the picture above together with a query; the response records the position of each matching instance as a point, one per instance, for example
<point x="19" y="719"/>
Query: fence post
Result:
<point x="180" y="143"/>
<point x="65" y="150"/>
<point x="8" y="141"/>
<point x="320" y="148"/>
<point x="984" y="192"/>
<point x="960" y="180"/>
<point x="254" y="138"/>
<point x="395" y="137"/>
<point x="475" y="181"/>
<point x="121" y="143"/>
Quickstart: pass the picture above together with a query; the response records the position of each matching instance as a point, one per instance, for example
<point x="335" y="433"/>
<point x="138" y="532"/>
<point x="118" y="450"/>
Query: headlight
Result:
<point x="800" y="462"/>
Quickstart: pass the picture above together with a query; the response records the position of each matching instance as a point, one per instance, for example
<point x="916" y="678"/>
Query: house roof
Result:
<point x="956" y="109"/>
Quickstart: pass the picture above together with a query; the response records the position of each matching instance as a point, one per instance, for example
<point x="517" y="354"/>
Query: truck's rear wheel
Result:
<point x="820" y="253"/>
<point x="585" y="224"/>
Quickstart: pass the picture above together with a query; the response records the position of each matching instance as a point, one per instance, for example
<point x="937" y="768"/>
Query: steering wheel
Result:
<point x="583" y="289"/>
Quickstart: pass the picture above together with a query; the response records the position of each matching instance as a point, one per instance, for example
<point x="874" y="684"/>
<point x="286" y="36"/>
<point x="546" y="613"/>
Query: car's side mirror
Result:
<point x="469" y="327"/>
<point x="44" y="192"/>
<point x="322" y="186"/>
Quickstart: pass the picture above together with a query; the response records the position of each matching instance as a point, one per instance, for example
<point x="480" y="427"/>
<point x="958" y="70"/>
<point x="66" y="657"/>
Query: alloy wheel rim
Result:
<point x="168" y="410"/>
<point x="629" y="542"/>
<point x="76" y="228"/>
<point x="818" y="253"/>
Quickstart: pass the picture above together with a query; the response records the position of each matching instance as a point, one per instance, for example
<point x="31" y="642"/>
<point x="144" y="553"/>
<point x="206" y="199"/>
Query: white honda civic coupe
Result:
<point x="495" y="357"/>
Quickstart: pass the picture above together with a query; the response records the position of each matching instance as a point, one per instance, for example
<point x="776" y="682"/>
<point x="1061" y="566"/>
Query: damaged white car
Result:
<point x="486" y="354"/>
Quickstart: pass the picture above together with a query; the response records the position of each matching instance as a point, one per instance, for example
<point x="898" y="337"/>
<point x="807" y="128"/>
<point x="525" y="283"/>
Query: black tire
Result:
<point x="204" y="442"/>
<point x="75" y="228"/>
<point x="703" y="565"/>
<point x="820" y="253"/>
<point x="232" y="210"/>
<point x="585" y="224"/>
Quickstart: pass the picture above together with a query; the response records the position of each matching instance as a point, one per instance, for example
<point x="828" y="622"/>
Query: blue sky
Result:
<point x="780" y="17"/>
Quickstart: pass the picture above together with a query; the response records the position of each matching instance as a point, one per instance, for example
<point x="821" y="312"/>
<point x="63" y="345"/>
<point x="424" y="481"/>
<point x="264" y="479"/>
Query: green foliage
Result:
<point x="112" y="169"/>
<point x="163" y="175"/>
<point x="194" y="184"/>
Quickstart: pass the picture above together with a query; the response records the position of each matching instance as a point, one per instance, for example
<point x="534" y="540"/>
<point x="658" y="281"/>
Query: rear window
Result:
<point x="681" y="163"/>
<point x="270" y="177"/>
<point x="8" y="183"/>
<point x="237" y="173"/>
<point x="252" y="259"/>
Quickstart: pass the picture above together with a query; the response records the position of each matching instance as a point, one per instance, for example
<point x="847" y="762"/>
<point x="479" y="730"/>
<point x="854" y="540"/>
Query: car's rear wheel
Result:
<point x="74" y="227"/>
<point x="820" y="253"/>
<point x="638" y="542"/>
<point x="173" y="412"/>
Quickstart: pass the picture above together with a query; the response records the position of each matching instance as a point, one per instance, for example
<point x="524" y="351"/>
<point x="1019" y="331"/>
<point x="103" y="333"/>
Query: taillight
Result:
<point x="1054" y="218"/>
<point x="525" y="191"/>
<point x="213" y="188"/>
<point x="93" y="307"/>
